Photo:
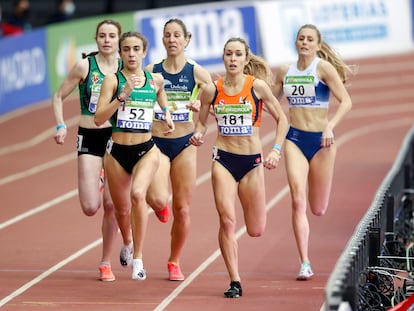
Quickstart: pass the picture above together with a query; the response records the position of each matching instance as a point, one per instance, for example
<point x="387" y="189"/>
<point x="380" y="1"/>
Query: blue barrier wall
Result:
<point x="23" y="71"/>
<point x="31" y="64"/>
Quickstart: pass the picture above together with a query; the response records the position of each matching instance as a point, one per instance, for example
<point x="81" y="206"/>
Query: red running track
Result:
<point x="50" y="250"/>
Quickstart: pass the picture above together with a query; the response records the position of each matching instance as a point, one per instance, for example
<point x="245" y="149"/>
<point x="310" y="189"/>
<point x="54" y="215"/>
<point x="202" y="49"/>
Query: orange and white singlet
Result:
<point x="237" y="114"/>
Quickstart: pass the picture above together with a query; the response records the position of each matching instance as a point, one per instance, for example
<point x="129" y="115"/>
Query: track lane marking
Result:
<point x="374" y="127"/>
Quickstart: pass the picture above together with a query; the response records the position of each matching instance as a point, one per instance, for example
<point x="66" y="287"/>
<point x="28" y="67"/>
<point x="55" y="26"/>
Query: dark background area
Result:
<point x="41" y="10"/>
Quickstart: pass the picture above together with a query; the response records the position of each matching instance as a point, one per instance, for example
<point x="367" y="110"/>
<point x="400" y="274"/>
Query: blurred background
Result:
<point x="42" y="39"/>
<point x="38" y="13"/>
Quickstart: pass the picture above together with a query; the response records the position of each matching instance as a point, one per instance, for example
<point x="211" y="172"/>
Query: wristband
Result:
<point x="60" y="126"/>
<point x="165" y="108"/>
<point x="120" y="99"/>
<point x="277" y="147"/>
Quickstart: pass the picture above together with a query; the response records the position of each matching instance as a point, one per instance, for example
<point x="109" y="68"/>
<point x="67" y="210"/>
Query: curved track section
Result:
<point x="50" y="251"/>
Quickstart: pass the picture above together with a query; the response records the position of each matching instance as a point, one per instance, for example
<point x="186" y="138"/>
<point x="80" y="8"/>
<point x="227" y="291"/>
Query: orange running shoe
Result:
<point x="164" y="214"/>
<point x="106" y="274"/>
<point x="174" y="272"/>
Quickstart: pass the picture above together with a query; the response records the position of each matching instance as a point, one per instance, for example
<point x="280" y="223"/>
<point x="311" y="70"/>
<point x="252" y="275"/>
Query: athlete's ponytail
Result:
<point x="329" y="54"/>
<point x="256" y="65"/>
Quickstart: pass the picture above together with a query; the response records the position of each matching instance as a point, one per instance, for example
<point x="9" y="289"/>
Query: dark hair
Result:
<point x="178" y="21"/>
<point x="256" y="65"/>
<point x="109" y="22"/>
<point x="329" y="54"/>
<point x="104" y="22"/>
<point x="135" y="34"/>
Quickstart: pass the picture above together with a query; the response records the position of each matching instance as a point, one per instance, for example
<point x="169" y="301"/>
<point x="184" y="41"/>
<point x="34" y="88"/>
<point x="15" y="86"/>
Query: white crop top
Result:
<point x="304" y="89"/>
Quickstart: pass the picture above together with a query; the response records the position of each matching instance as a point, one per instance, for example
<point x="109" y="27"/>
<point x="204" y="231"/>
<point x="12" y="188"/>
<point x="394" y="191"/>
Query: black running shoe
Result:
<point x="234" y="291"/>
<point x="125" y="255"/>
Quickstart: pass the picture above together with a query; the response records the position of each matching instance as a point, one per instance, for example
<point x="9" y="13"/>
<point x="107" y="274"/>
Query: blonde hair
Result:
<point x="256" y="65"/>
<point x="329" y="54"/>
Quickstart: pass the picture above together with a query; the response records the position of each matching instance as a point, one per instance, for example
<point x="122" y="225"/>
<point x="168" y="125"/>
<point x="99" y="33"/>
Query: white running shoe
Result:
<point x="125" y="255"/>
<point x="138" y="271"/>
<point x="305" y="272"/>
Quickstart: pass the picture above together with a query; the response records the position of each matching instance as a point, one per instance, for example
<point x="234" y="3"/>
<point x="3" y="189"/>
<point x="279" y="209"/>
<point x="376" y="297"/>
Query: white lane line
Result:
<point x="200" y="180"/>
<point x="206" y="263"/>
<point x="381" y="110"/>
<point x="38" y="168"/>
<point x="345" y="137"/>
<point x="39" y="209"/>
<point x="363" y="112"/>
<point x="35" y="139"/>
<point x="48" y="272"/>
<point x="357" y="113"/>
<point x="22" y="111"/>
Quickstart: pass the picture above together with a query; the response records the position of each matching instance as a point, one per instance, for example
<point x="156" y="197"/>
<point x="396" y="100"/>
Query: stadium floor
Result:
<point x="50" y="251"/>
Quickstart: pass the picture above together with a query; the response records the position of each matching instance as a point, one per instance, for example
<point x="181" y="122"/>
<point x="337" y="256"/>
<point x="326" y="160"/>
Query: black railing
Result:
<point x="379" y="242"/>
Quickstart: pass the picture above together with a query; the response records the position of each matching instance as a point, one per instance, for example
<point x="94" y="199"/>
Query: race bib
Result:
<point x="234" y="120"/>
<point x="135" y="115"/>
<point x="300" y="90"/>
<point x="95" y="90"/>
<point x="177" y="104"/>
